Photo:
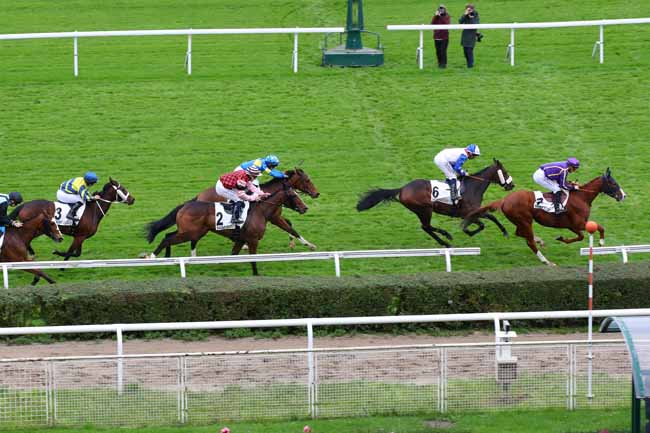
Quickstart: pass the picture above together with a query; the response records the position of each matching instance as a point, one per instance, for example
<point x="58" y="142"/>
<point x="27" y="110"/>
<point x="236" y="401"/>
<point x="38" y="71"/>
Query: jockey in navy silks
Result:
<point x="553" y="176"/>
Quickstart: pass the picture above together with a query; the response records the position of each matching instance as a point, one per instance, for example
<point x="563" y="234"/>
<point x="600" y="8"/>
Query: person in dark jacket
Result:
<point x="6" y="200"/>
<point x="468" y="38"/>
<point x="441" y="37"/>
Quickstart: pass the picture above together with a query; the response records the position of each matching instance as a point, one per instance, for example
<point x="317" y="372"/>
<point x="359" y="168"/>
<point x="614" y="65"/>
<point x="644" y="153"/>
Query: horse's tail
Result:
<point x="155" y="227"/>
<point x="13" y="215"/>
<point x="473" y="215"/>
<point x="375" y="196"/>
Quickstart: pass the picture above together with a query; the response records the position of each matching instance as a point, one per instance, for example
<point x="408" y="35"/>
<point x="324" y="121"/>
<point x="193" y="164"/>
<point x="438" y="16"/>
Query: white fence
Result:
<point x="181" y="32"/>
<point x="624" y="250"/>
<point x="182" y="262"/>
<point x="510" y="51"/>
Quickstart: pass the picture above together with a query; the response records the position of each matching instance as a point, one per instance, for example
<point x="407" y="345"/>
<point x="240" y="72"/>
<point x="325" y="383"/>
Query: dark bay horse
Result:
<point x="14" y="248"/>
<point x="298" y="180"/>
<point x="196" y="218"/>
<point x="416" y="197"/>
<point x="518" y="208"/>
<point x="112" y="192"/>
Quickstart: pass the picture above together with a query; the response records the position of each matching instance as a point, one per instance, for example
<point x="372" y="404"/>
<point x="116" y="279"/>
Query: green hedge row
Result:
<point x="202" y="299"/>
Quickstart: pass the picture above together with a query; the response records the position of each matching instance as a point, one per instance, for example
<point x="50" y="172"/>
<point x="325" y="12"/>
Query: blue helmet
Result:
<point x="272" y="161"/>
<point x="90" y="177"/>
<point x="473" y="148"/>
<point x="573" y="162"/>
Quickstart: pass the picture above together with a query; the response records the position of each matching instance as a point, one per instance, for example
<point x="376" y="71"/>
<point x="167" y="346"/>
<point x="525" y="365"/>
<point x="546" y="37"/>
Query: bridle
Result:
<point x="286" y="187"/>
<point x="120" y="197"/>
<point x="502" y="179"/>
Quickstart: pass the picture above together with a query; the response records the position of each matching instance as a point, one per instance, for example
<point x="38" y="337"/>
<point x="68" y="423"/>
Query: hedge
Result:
<point x="203" y="299"/>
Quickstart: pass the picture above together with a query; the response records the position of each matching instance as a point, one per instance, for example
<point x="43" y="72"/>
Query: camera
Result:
<point x="479" y="37"/>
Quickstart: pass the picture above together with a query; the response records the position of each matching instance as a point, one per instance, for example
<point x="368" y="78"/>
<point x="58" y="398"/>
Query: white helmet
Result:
<point x="473" y="148"/>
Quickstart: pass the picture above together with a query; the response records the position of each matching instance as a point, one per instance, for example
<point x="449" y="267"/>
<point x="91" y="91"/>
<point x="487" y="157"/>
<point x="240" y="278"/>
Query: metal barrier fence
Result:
<point x="181" y="32"/>
<point x="624" y="250"/>
<point x="182" y="262"/>
<point x="205" y="388"/>
<point x="510" y="51"/>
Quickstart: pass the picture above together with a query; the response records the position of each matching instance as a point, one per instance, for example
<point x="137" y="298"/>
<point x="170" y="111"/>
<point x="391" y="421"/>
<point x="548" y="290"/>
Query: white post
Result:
<point x="448" y="259"/>
<point x="120" y="370"/>
<point x="512" y="47"/>
<point x="310" y="366"/>
<point x="294" y="60"/>
<point x="602" y="44"/>
<point x="421" y="50"/>
<point x="337" y="264"/>
<point x="590" y="303"/>
<point x="5" y="276"/>
<point x="624" y="254"/>
<point x="76" y="57"/>
<point x="181" y="262"/>
<point x="188" y="56"/>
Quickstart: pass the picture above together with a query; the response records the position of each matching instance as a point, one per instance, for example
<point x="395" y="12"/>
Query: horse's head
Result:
<point x="611" y="187"/>
<point x="44" y="223"/>
<point x="114" y="192"/>
<point x="301" y="181"/>
<point x="501" y="176"/>
<point x="292" y="200"/>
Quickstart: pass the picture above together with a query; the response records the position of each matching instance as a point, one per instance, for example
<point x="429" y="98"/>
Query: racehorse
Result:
<point x="196" y="218"/>
<point x="14" y="248"/>
<point x="518" y="208"/>
<point x="417" y="197"/>
<point x="112" y="192"/>
<point x="298" y="180"/>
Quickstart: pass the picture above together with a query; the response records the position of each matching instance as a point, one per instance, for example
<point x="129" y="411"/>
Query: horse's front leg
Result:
<point x="572" y="240"/>
<point x="497" y="222"/>
<point x="285" y="224"/>
<point x="480" y="228"/>
<point x="252" y="249"/>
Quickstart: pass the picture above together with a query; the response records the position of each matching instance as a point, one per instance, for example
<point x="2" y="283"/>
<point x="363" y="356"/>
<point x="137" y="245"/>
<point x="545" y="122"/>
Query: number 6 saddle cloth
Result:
<point x="440" y="191"/>
<point x="223" y="215"/>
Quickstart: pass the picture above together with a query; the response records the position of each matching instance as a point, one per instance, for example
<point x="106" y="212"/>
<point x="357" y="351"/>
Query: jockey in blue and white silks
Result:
<point x="75" y="193"/>
<point x="265" y="165"/>
<point x="451" y="161"/>
<point x="553" y="176"/>
<point x="6" y="200"/>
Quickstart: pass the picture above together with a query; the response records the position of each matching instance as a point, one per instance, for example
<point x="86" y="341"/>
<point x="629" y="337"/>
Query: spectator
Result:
<point x="441" y="37"/>
<point x="469" y="36"/>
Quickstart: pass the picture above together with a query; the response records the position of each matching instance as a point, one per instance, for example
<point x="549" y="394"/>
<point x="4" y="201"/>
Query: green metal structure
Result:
<point x="353" y="53"/>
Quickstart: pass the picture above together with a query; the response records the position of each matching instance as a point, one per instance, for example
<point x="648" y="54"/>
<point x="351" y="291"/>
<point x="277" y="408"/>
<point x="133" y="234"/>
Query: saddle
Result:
<point x="544" y="201"/>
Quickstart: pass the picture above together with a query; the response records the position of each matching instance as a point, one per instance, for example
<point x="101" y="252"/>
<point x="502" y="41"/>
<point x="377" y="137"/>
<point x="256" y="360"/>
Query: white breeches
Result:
<point x="228" y="194"/>
<point x="255" y="181"/>
<point x="540" y="179"/>
<point x="446" y="167"/>
<point x="67" y="198"/>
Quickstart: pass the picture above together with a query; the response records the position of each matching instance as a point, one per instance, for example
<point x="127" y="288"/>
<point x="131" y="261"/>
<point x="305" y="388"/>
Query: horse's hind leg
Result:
<point x="173" y="238"/>
<point x="525" y="230"/>
<point x="38" y="274"/>
<point x="424" y="215"/>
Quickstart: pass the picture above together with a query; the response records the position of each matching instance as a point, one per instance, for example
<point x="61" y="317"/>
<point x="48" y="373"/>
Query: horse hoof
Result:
<point x="601" y="242"/>
<point x="312" y="247"/>
<point x="559" y="238"/>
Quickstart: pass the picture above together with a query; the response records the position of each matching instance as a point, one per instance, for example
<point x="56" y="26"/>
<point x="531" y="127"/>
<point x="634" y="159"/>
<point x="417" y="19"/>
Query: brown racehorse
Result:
<point x="416" y="196"/>
<point x="196" y="218"/>
<point x="518" y="208"/>
<point x="112" y="192"/>
<point x="14" y="248"/>
<point x="298" y="180"/>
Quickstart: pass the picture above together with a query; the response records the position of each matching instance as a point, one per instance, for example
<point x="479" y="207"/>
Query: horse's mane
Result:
<point x="273" y="181"/>
<point x="480" y="172"/>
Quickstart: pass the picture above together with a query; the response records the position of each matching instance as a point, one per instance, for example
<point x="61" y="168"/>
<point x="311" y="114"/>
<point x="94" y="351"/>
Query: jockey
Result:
<point x="265" y="165"/>
<point x="238" y="187"/>
<point x="553" y="176"/>
<point x="6" y="200"/>
<point x="74" y="192"/>
<point x="451" y="161"/>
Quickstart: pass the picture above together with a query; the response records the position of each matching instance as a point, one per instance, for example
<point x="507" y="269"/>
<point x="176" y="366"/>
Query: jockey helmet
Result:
<point x="272" y="161"/>
<point x="473" y="149"/>
<point x="90" y="177"/>
<point x="253" y="171"/>
<point x="573" y="162"/>
<point x="15" y="197"/>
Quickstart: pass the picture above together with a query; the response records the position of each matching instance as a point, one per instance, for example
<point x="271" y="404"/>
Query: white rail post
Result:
<point x="602" y="43"/>
<point x="448" y="259"/>
<point x="120" y="367"/>
<point x="337" y="264"/>
<point x="590" y="303"/>
<point x="512" y="47"/>
<point x="294" y="59"/>
<point x="181" y="263"/>
<point x="188" y="56"/>
<point x="311" y="389"/>
<point x="624" y="254"/>
<point x="76" y="56"/>
<point x="421" y="50"/>
<point x="5" y="276"/>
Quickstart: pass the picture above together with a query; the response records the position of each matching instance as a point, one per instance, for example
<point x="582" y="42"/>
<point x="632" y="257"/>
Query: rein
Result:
<point x="121" y="198"/>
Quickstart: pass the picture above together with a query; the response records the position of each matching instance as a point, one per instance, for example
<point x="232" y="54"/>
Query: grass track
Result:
<point x="134" y="114"/>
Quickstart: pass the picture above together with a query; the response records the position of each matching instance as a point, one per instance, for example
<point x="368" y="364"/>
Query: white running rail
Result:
<point x="180" y="32"/>
<point x="510" y="52"/>
<point x="182" y="262"/>
<point x="624" y="250"/>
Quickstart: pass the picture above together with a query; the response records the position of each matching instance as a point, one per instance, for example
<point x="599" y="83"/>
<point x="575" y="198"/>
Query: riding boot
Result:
<point x="453" y="190"/>
<point x="238" y="208"/>
<point x="557" y="200"/>
<point x="72" y="213"/>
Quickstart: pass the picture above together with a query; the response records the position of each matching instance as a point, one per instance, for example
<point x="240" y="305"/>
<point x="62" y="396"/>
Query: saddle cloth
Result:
<point x="61" y="212"/>
<point x="223" y="215"/>
<point x="544" y="201"/>
<point x="440" y="191"/>
<point x="2" y="239"/>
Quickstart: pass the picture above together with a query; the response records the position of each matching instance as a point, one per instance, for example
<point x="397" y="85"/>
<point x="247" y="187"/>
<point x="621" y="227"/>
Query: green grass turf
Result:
<point x="135" y="115"/>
